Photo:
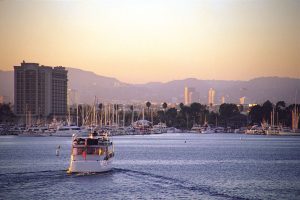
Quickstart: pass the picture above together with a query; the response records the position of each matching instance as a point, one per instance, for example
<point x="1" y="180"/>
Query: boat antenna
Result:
<point x="296" y="93"/>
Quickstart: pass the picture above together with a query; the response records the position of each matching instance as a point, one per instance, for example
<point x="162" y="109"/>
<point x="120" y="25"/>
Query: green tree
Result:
<point x="196" y="109"/>
<point x="148" y="104"/>
<point x="213" y="118"/>
<point x="132" y="113"/>
<point x="228" y="110"/>
<point x="255" y="114"/>
<point x="281" y="112"/>
<point x="198" y="112"/>
<point x="185" y="115"/>
<point x="171" y="115"/>
<point x="267" y="108"/>
<point x="181" y="105"/>
<point x="161" y="116"/>
<point x="164" y="105"/>
<point x="6" y="114"/>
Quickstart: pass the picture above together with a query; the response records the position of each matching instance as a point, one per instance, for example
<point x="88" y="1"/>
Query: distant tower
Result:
<point x="211" y="96"/>
<point x="186" y="96"/>
<point x="190" y="95"/>
<point x="242" y="100"/>
<point x="222" y="99"/>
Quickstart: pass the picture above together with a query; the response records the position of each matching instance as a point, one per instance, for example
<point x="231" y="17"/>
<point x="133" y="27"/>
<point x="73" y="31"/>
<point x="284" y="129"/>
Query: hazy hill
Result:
<point x="89" y="85"/>
<point x="7" y="84"/>
<point x="256" y="90"/>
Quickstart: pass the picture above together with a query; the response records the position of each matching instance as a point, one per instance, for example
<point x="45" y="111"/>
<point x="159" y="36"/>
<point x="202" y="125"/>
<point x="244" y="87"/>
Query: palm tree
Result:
<point x="100" y="106"/>
<point x="148" y="104"/>
<point x="165" y="105"/>
<point x="267" y="108"/>
<point x="181" y="105"/>
<point x="132" y="112"/>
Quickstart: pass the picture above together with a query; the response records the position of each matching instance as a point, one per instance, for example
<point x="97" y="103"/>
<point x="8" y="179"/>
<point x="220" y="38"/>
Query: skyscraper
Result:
<point x="242" y="100"/>
<point x="190" y="95"/>
<point x="40" y="90"/>
<point x="211" y="96"/>
<point x="222" y="99"/>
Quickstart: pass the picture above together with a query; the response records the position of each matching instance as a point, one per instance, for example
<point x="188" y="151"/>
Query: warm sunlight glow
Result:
<point x="141" y="41"/>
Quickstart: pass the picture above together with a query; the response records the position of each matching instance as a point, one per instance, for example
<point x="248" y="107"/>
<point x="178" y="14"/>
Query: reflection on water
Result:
<point x="211" y="166"/>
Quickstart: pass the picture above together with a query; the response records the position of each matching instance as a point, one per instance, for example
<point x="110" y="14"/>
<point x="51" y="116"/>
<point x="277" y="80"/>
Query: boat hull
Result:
<point x="87" y="166"/>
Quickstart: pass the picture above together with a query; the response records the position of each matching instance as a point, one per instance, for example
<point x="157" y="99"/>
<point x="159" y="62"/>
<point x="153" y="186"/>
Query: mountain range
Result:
<point x="88" y="85"/>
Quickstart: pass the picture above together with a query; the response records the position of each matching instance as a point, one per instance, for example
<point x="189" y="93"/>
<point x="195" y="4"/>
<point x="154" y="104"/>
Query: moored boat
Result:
<point x="159" y="128"/>
<point x="68" y="131"/>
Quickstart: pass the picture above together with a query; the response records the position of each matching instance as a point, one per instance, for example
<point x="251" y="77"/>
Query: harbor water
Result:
<point x="166" y="166"/>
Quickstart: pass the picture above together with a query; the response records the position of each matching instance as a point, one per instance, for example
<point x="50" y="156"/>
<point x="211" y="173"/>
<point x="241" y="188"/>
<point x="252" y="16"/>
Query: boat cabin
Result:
<point x="92" y="148"/>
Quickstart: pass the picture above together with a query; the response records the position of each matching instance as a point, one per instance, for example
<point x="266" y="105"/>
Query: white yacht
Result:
<point x="91" y="154"/>
<point x="159" y="128"/>
<point x="142" y="127"/>
<point x="37" y="131"/>
<point x="202" y="129"/>
<point x="196" y="128"/>
<point x="68" y="131"/>
<point x="255" y="130"/>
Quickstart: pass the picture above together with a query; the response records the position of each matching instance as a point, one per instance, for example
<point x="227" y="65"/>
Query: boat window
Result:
<point x="92" y="141"/>
<point x="75" y="128"/>
<point x="92" y="150"/>
<point x="63" y="129"/>
<point x="78" y="151"/>
<point x="101" y="151"/>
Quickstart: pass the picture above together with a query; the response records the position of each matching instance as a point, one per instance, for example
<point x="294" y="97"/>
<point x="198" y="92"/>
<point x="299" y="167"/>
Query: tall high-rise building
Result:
<point x="222" y="99"/>
<point x="242" y="100"/>
<point x="40" y="90"/>
<point x="211" y="96"/>
<point x="190" y="95"/>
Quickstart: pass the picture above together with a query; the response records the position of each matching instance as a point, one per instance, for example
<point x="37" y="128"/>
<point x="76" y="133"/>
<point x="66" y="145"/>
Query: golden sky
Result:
<point x="140" y="41"/>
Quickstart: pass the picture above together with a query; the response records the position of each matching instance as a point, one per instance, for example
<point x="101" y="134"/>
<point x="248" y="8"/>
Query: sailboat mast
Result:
<point x="105" y="123"/>
<point x="113" y="114"/>
<point x="132" y="115"/>
<point x="77" y="114"/>
<point x="123" y="115"/>
<point x="109" y="118"/>
<point x="151" y="115"/>
<point x="143" y="113"/>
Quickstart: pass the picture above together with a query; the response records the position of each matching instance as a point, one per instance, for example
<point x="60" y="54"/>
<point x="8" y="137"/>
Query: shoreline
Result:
<point x="279" y="135"/>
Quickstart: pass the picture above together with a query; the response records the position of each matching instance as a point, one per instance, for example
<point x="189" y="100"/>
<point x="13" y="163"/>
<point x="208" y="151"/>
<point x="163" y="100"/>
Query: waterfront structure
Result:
<point x="1" y="99"/>
<point x="242" y="100"/>
<point x="211" y="96"/>
<point x="190" y="95"/>
<point x="295" y="119"/>
<point x="40" y="90"/>
<point x="222" y="100"/>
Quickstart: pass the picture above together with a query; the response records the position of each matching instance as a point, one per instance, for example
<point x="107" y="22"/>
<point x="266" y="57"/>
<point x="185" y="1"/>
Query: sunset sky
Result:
<point x="142" y="41"/>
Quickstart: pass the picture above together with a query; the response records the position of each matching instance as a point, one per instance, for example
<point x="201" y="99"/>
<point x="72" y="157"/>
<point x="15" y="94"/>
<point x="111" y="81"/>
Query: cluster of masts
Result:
<point x="106" y="114"/>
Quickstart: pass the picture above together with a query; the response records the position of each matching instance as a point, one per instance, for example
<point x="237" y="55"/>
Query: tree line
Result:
<point x="181" y="116"/>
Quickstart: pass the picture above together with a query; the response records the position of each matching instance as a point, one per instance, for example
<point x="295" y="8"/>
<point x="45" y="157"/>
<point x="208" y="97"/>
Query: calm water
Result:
<point x="212" y="166"/>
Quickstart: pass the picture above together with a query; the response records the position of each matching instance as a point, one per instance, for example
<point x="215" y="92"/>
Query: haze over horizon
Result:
<point x="158" y="41"/>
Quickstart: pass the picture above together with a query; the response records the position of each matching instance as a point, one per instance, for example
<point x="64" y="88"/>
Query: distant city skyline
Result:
<point x="149" y="41"/>
<point x="111" y="90"/>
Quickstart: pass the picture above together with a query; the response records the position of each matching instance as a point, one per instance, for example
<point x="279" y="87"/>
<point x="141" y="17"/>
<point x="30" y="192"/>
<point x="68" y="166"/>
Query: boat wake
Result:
<point x="176" y="184"/>
<point x="13" y="182"/>
<point x="36" y="172"/>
